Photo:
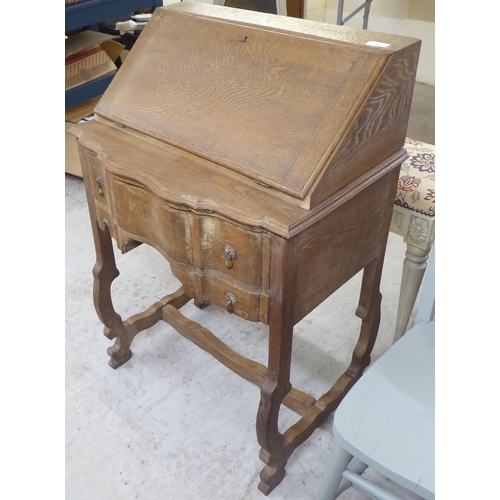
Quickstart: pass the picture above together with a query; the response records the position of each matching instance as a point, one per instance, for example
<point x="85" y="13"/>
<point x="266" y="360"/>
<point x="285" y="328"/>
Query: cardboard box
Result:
<point x="90" y="55"/>
<point x="74" y="115"/>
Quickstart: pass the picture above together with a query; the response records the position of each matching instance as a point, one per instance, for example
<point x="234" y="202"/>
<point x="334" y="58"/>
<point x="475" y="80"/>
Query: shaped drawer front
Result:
<point x="143" y="217"/>
<point x="206" y="242"/>
<point x="240" y="254"/>
<point x="215" y="288"/>
<point x="98" y="180"/>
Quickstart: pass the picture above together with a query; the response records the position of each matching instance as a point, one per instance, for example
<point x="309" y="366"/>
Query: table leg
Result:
<point x="105" y="272"/>
<point x="369" y="311"/>
<point x="414" y="267"/>
<point x="274" y="448"/>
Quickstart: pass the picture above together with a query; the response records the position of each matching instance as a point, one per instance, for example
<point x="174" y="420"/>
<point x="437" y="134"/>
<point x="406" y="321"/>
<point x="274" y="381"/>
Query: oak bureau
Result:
<point x="259" y="155"/>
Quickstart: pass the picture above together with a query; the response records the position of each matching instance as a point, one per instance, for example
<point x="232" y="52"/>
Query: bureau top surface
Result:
<point x="189" y="182"/>
<point x="265" y="96"/>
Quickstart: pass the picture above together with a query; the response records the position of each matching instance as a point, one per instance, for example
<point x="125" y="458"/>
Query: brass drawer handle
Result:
<point x="231" y="300"/>
<point x="230" y="255"/>
<point x="100" y="184"/>
<point x="105" y="223"/>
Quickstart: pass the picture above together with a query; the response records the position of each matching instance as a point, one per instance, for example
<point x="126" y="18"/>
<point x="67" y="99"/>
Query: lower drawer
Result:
<point x="210" y="287"/>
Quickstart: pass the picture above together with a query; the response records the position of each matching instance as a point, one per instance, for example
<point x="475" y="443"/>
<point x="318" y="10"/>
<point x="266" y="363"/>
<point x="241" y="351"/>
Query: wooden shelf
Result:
<point x="81" y="15"/>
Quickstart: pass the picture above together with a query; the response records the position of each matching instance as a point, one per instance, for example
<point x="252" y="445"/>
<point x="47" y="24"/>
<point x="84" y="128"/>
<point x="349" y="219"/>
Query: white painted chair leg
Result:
<point x="427" y="303"/>
<point x="333" y="475"/>
<point x="356" y="466"/>
<point x="413" y="271"/>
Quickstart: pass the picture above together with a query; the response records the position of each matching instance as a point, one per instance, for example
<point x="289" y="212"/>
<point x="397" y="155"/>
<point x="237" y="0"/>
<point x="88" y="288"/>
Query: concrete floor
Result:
<point x="173" y="423"/>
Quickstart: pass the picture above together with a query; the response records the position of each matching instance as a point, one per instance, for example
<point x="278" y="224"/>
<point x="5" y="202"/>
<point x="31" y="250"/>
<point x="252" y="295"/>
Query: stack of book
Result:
<point x="90" y="55"/>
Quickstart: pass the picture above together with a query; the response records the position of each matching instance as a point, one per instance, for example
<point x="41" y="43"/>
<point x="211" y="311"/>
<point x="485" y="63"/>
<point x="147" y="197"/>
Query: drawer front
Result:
<point x="98" y="181"/>
<point x="106" y="221"/>
<point x="183" y="237"/>
<point x="231" y="250"/>
<point x="142" y="216"/>
<point x="214" y="288"/>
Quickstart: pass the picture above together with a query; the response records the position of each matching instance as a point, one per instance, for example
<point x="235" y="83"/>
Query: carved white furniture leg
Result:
<point x="413" y="218"/>
<point x="413" y="271"/>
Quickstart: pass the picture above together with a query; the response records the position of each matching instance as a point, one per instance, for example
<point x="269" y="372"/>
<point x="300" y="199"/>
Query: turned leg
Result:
<point x="414" y="267"/>
<point x="356" y="466"/>
<point x="274" y="448"/>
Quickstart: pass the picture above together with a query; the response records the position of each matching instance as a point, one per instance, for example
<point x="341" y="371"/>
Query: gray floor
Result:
<point x="173" y="423"/>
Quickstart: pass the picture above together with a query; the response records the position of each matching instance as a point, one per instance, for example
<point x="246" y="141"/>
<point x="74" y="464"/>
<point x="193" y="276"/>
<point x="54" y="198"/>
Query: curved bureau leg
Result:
<point x="369" y="311"/>
<point x="105" y="272"/>
<point x="274" y="448"/>
<point x="414" y="267"/>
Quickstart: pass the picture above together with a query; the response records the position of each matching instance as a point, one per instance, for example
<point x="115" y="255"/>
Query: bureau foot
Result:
<point x="270" y="477"/>
<point x="119" y="352"/>
<point x="200" y="305"/>
<point x="116" y="358"/>
<point x="275" y="450"/>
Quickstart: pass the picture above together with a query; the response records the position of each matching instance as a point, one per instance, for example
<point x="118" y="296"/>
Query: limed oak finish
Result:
<point x="248" y="149"/>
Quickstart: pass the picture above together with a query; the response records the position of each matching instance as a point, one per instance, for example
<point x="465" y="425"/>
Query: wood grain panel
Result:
<point x="254" y="101"/>
<point x="379" y="129"/>
<point x="189" y="181"/>
<point x="298" y="27"/>
<point x="340" y="244"/>
<point x="334" y="124"/>
<point x="146" y="219"/>
<point x="247" y="264"/>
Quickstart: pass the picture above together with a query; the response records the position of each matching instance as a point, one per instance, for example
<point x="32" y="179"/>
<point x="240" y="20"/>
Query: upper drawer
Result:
<point x="97" y="175"/>
<point x="203" y="241"/>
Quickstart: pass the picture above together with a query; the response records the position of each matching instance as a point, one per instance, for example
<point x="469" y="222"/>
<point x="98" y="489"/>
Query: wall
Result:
<point x="315" y="10"/>
<point x="414" y="18"/>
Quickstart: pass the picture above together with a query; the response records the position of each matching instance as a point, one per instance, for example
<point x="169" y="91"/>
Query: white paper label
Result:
<point x="377" y="44"/>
